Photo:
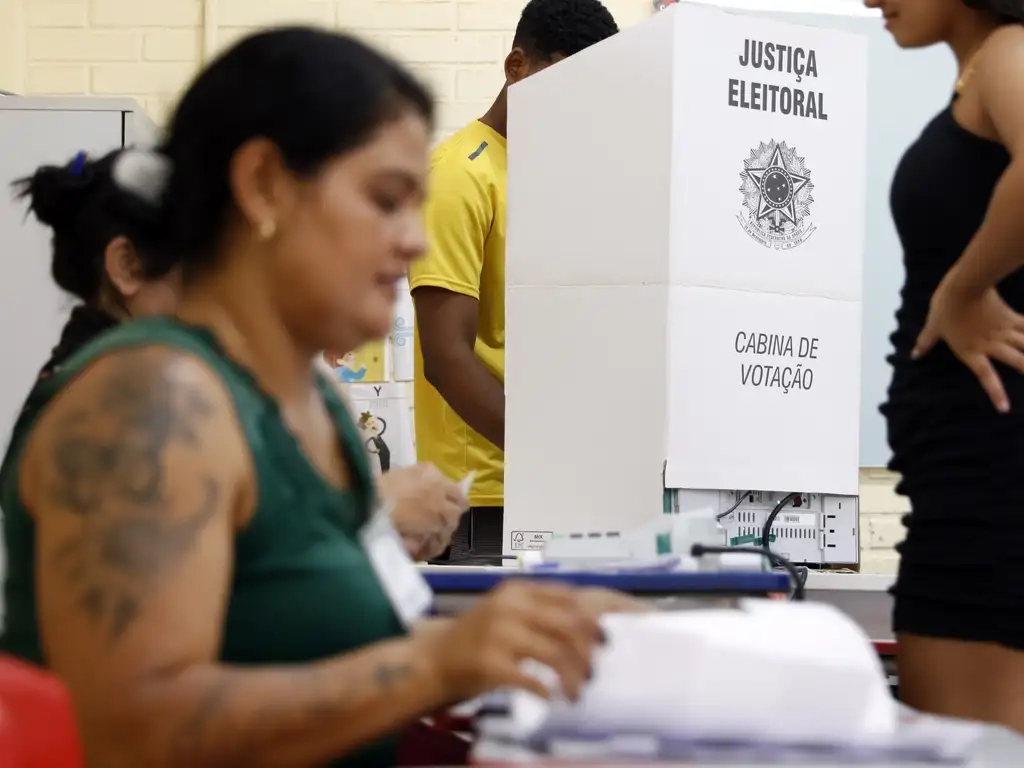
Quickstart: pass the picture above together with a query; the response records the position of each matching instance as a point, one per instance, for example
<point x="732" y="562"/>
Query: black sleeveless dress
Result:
<point x="961" y="572"/>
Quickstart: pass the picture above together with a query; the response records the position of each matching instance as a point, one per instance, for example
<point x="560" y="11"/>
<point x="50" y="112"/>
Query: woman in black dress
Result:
<point x="955" y="409"/>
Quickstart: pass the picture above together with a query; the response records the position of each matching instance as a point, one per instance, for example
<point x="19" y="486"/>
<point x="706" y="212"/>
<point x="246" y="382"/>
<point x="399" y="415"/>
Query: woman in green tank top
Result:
<point x="195" y="502"/>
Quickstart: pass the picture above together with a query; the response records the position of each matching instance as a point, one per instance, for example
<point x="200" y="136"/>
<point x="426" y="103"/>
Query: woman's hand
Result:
<point x="979" y="328"/>
<point x="484" y="648"/>
<point x="427" y="508"/>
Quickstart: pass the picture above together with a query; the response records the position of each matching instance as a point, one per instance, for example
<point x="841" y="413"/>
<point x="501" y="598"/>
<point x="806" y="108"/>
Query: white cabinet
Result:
<point x="33" y="132"/>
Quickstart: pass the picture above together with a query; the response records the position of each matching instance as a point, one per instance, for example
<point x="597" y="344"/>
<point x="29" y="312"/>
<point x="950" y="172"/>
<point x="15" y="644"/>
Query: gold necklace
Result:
<point x="968" y="70"/>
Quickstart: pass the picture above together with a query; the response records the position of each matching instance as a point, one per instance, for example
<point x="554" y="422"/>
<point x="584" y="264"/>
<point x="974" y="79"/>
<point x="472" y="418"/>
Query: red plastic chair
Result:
<point x="429" y="744"/>
<point x="37" y="720"/>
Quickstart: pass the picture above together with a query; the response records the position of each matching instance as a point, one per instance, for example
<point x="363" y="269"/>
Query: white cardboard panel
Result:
<point x="584" y="415"/>
<point x="589" y="164"/>
<point x="764" y="391"/>
<point x="764" y="200"/>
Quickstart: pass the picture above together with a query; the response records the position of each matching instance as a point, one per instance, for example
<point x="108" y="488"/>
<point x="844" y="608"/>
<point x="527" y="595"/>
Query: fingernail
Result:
<point x="914" y="354"/>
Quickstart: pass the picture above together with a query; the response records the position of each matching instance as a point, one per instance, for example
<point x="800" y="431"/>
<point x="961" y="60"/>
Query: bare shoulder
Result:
<point x="1002" y="56"/>
<point x="994" y="94"/>
<point x="1004" y="38"/>
<point x="129" y="473"/>
<point x="114" y="428"/>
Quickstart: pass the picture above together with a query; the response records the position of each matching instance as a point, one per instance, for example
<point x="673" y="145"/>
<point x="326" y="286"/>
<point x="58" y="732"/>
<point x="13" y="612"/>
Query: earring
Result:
<point x="266" y="229"/>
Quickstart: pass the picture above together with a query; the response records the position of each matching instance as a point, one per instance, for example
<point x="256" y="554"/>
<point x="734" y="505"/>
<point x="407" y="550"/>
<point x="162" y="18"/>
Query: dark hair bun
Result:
<point x="56" y="194"/>
<point x="72" y="200"/>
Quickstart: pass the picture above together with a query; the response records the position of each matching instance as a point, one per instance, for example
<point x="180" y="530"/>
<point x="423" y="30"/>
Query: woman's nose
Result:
<point x="412" y="243"/>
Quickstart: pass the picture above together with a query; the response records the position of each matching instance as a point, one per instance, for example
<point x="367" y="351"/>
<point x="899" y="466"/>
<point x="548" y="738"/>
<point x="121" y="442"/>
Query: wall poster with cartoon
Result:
<point x="384" y="417"/>
<point x="368" y="364"/>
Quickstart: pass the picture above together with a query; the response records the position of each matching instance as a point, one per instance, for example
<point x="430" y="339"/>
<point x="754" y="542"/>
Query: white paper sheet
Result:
<point x="720" y="673"/>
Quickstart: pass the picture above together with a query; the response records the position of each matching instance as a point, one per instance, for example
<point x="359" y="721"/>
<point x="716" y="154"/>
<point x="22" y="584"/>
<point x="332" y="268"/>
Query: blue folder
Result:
<point x="458" y="580"/>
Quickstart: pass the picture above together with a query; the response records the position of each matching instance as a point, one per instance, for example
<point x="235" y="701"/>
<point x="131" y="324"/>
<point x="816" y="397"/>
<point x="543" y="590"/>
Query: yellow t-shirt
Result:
<point x="465" y="216"/>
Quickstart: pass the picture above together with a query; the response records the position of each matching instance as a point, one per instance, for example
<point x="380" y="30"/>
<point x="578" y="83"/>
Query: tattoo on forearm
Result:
<point x="192" y="739"/>
<point x="108" y="468"/>
<point x="230" y="715"/>
<point x="386" y="675"/>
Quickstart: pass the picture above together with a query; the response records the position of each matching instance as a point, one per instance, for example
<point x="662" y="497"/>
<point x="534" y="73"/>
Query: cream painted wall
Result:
<point x="148" y="49"/>
<point x="12" y="46"/>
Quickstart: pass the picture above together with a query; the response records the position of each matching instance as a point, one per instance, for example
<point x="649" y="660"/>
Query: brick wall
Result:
<point x="881" y="527"/>
<point x="148" y="49"/>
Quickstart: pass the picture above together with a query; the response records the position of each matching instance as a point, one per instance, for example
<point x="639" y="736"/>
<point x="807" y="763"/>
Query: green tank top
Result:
<point x="303" y="587"/>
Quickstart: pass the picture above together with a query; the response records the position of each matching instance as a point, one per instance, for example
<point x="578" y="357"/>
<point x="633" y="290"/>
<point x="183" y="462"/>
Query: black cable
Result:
<point x="735" y="506"/>
<point x="804" y="572"/>
<point x="699" y="550"/>
<point x="766" y="532"/>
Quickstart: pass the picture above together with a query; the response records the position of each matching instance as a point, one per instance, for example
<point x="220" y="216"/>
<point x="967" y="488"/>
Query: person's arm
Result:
<point x="446" y="292"/>
<point x="137" y="477"/>
<point x="997" y="248"/>
<point x="427" y="507"/>
<point x="446" y="322"/>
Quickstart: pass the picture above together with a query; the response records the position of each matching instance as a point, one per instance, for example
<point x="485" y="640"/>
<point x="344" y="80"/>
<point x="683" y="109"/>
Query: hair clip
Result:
<point x="78" y="164"/>
<point x="143" y="173"/>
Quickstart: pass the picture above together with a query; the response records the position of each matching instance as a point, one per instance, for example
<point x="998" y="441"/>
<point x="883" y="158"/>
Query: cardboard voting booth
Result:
<point x="685" y="237"/>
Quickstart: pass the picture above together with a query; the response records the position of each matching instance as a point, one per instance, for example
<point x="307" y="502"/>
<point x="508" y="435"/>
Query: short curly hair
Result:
<point x="550" y="28"/>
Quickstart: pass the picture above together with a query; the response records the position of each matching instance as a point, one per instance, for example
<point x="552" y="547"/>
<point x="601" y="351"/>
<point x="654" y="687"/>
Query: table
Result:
<point x="864" y="598"/>
<point x="457" y="587"/>
<point x="999" y="749"/>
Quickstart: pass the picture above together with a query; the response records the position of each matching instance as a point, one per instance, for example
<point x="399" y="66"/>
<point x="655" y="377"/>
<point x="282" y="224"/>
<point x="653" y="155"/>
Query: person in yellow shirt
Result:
<point x="459" y="288"/>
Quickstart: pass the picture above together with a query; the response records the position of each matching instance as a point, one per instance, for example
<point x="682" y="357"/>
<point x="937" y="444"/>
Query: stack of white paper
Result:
<point x="728" y="674"/>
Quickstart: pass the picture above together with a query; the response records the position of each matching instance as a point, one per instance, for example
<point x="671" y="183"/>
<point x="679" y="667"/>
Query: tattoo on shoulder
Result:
<point x="107" y="465"/>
